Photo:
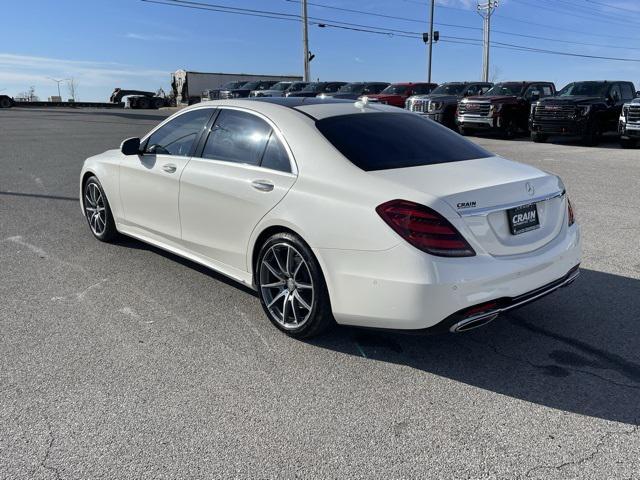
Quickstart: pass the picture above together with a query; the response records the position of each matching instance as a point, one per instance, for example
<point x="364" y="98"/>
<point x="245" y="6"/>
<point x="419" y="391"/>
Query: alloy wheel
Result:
<point x="94" y="208"/>
<point x="286" y="286"/>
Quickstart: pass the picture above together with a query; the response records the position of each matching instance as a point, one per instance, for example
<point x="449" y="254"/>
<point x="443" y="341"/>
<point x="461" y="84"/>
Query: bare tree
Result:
<point x="72" y="88"/>
<point x="31" y="94"/>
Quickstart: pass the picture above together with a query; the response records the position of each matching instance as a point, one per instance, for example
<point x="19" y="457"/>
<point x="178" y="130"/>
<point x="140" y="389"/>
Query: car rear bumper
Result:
<point x="406" y="289"/>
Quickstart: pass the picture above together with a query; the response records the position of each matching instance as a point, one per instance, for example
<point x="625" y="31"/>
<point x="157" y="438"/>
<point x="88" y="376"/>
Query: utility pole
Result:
<point x="305" y="41"/>
<point x="485" y="10"/>
<point x="58" y="82"/>
<point x="433" y="4"/>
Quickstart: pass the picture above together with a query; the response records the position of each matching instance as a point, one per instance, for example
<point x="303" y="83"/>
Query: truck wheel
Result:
<point x="538" y="137"/>
<point x="464" y="131"/>
<point x="510" y="130"/>
<point x="143" y="103"/>
<point x="5" y="102"/>
<point x="591" y="137"/>
<point x="158" y="103"/>
<point x="628" y="142"/>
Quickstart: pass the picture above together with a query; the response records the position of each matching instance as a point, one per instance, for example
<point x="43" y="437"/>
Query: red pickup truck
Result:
<point x="396" y="94"/>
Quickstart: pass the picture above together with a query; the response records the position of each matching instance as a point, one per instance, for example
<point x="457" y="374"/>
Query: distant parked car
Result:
<point x="295" y="87"/>
<point x="314" y="88"/>
<point x="441" y="104"/>
<point x="246" y="89"/>
<point x="396" y="94"/>
<point x="582" y="109"/>
<point x="214" y="94"/>
<point x="629" y="124"/>
<point x="503" y="108"/>
<point x="351" y="91"/>
<point x="275" y="91"/>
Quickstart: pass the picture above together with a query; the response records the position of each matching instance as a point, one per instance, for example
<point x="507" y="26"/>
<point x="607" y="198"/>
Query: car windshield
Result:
<point x="395" y="90"/>
<point x="351" y="88"/>
<point x="231" y="85"/>
<point x="250" y="85"/>
<point x="281" y="86"/>
<point x="449" y="89"/>
<point x="296" y="86"/>
<point x="514" y="88"/>
<point x="381" y="141"/>
<point x="590" y="89"/>
<point x="313" y="87"/>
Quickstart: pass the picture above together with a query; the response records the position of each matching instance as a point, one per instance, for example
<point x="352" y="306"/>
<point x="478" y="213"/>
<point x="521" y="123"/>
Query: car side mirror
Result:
<point x="637" y="94"/>
<point x="131" y="146"/>
<point x="610" y="100"/>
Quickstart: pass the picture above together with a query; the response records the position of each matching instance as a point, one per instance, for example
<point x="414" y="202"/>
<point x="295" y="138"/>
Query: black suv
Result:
<point x="354" y="90"/>
<point x="315" y="88"/>
<point x="441" y="104"/>
<point x="629" y="125"/>
<point x="583" y="109"/>
<point x="244" y="90"/>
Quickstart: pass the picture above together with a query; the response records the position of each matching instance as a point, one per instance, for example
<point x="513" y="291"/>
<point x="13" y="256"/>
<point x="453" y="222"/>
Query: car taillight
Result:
<point x="425" y="229"/>
<point x="572" y="215"/>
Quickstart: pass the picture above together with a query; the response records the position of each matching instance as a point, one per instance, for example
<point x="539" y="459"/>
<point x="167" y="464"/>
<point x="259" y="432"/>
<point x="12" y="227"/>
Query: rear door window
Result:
<point x="381" y="141"/>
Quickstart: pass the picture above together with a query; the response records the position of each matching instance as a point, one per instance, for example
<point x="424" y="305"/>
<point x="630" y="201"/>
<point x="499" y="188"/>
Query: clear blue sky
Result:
<point x="128" y="43"/>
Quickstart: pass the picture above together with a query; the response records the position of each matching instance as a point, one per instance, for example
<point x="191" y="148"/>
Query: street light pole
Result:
<point x="433" y="4"/>
<point x="58" y="82"/>
<point x="305" y="41"/>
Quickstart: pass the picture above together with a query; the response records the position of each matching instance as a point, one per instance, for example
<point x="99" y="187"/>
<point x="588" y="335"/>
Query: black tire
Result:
<point x="510" y="130"/>
<point x="104" y="229"/>
<point x="628" y="142"/>
<point x="5" y="102"/>
<point x="538" y="137"/>
<point x="591" y="136"/>
<point x="318" y="318"/>
<point x="465" y="132"/>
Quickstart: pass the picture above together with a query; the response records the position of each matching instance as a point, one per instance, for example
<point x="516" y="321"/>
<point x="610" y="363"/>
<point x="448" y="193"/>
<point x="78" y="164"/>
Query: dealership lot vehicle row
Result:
<point x="586" y="109"/>
<point x="123" y="361"/>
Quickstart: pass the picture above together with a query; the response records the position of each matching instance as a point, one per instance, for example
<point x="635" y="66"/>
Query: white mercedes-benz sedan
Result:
<point x="335" y="211"/>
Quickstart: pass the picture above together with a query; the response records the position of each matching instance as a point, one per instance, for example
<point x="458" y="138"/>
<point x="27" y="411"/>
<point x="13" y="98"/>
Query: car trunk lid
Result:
<point x="481" y="194"/>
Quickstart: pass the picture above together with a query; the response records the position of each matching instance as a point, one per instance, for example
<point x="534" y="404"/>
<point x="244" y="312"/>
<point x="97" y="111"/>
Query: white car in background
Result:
<point x="333" y="210"/>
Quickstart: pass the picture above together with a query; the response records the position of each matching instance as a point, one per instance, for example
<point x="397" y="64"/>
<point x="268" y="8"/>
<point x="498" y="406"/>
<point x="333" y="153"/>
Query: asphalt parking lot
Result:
<point x="121" y="361"/>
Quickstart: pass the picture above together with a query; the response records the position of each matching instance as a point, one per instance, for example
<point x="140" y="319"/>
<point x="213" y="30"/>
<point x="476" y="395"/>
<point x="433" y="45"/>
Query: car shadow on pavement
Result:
<point x="577" y="350"/>
<point x="132" y="243"/>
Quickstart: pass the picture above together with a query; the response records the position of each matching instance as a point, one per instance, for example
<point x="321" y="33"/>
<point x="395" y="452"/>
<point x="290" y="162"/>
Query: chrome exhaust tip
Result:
<point x="473" y="322"/>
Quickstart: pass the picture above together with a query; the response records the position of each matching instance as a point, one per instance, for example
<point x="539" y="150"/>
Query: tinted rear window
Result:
<point x="380" y="141"/>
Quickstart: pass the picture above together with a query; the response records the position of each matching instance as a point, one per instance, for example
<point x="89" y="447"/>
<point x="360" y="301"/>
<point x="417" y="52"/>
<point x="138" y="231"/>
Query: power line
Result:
<point x="616" y="7"/>
<point x="593" y="17"/>
<point x="363" y="28"/>
<point x="453" y="25"/>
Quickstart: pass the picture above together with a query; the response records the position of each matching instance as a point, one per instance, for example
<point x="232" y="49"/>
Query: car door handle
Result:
<point x="169" y="168"/>
<point x="262" y="185"/>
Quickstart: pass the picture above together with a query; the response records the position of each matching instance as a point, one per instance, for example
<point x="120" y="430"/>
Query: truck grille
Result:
<point x="634" y="114"/>
<point x="472" y="108"/>
<point x="419" y="105"/>
<point x="554" y="112"/>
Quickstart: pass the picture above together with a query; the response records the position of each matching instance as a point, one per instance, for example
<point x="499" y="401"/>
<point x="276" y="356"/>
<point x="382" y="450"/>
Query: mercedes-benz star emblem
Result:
<point x="530" y="189"/>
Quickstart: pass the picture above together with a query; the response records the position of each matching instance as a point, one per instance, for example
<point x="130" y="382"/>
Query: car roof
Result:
<point x="312" y="107"/>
